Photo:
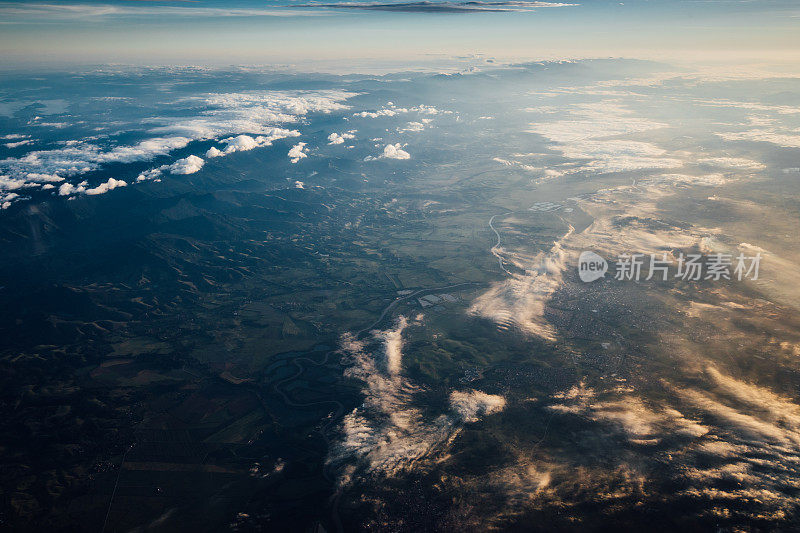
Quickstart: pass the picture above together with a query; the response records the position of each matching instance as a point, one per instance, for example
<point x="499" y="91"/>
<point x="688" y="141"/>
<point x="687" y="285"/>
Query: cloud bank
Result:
<point x="243" y="121"/>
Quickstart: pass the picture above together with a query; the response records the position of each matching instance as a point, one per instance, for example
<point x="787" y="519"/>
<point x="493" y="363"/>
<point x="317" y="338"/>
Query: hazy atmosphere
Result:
<point x="400" y="266"/>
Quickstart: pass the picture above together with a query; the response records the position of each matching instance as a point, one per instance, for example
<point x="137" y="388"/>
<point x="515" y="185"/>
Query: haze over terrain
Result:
<point x="305" y="266"/>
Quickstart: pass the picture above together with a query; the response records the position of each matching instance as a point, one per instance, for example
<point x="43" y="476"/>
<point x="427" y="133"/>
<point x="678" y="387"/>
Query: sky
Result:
<point x="291" y="32"/>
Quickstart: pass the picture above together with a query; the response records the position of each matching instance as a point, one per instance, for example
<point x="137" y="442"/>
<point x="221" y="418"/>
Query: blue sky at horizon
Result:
<point x="292" y="31"/>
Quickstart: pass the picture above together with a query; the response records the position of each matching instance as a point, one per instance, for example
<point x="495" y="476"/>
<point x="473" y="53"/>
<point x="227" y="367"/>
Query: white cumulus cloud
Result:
<point x="297" y="152"/>
<point x="107" y="186"/>
<point x="187" y="165"/>
<point x="339" y="138"/>
<point x="391" y="151"/>
<point x="67" y="189"/>
<point x="243" y="143"/>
